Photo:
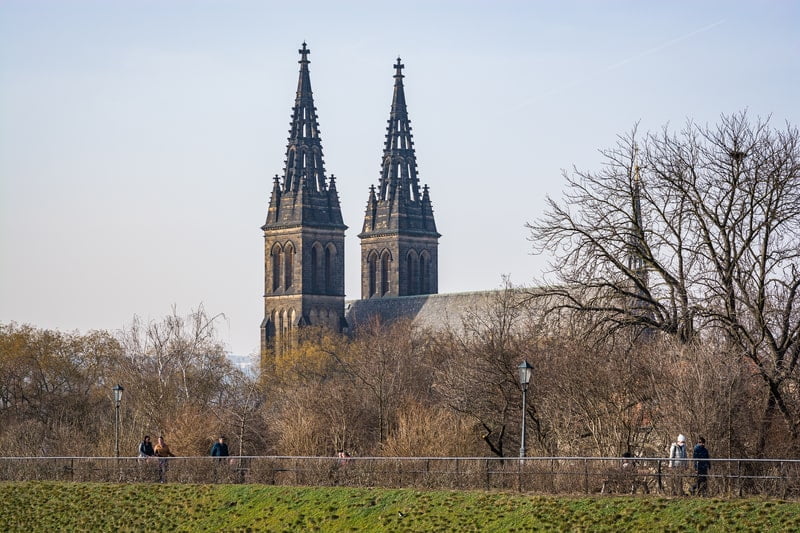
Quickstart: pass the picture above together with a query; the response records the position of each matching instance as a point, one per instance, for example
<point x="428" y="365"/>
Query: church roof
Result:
<point x="436" y="311"/>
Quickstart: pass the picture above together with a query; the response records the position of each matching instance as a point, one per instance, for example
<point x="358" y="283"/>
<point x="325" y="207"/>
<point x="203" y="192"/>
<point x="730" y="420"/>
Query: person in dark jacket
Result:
<point x="220" y="448"/>
<point x="701" y="466"/>
<point x="146" y="448"/>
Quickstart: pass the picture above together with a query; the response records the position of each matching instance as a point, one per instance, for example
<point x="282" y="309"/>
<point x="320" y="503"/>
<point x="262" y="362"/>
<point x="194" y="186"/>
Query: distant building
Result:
<point x="243" y="363"/>
<point x="304" y="229"/>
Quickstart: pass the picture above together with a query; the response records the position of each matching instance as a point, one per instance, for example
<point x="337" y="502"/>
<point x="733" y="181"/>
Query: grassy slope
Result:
<point x="45" y="506"/>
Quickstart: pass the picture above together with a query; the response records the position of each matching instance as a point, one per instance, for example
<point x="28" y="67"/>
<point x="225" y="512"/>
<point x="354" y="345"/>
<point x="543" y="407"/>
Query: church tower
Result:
<point x="303" y="234"/>
<point x="399" y="241"/>
<point x="640" y="304"/>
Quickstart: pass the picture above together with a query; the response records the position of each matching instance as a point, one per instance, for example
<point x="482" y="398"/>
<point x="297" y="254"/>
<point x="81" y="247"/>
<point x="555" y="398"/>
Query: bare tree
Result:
<point x="694" y="235"/>
<point x="175" y="369"/>
<point x="384" y="361"/>
<point x="480" y="378"/>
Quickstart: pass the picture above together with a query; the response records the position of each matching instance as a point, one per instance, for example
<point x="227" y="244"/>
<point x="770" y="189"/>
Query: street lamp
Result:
<point x="525" y="370"/>
<point x="117" y="398"/>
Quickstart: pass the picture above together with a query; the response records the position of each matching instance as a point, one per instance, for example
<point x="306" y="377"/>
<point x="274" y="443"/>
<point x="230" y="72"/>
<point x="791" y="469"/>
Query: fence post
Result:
<point x="739" y="476"/>
<point x="658" y="476"/>
<point x="586" y="475"/>
<point x="784" y="481"/>
<point x="487" y="473"/>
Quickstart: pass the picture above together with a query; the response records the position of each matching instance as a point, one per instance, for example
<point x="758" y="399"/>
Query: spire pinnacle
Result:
<point x="399" y="192"/>
<point x="304" y="164"/>
<point x="304" y="184"/>
<point x="398" y="68"/>
<point x="636" y="260"/>
<point x="304" y="52"/>
<point x="399" y="172"/>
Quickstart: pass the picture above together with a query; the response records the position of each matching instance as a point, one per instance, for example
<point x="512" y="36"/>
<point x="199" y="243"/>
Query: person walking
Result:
<point x="220" y="448"/>
<point x="701" y="467"/>
<point x="146" y="448"/>
<point x="677" y="464"/>
<point x="162" y="451"/>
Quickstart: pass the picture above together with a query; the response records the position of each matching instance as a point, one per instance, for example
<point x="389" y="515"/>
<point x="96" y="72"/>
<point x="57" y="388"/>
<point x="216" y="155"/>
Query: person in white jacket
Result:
<point x="677" y="464"/>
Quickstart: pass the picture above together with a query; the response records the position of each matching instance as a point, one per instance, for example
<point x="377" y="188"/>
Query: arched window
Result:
<point x="285" y="327"/>
<point x="424" y="273"/>
<point x="279" y="329"/>
<point x="412" y="272"/>
<point x="372" y="268"/>
<point x="315" y="268"/>
<point x="384" y="273"/>
<point x="275" y="258"/>
<point x="288" y="265"/>
<point x="330" y="252"/>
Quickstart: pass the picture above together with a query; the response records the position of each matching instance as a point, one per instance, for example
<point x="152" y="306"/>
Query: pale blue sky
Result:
<point x="138" y="139"/>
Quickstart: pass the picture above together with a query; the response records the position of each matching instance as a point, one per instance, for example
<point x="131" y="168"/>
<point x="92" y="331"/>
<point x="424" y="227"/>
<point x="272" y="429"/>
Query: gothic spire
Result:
<point x="304" y="196"/>
<point x="304" y="166"/>
<point x="636" y="236"/>
<point x="399" y="180"/>
<point x="640" y="299"/>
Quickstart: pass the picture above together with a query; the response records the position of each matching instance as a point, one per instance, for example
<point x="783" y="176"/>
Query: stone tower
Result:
<point x="303" y="234"/>
<point x="399" y="241"/>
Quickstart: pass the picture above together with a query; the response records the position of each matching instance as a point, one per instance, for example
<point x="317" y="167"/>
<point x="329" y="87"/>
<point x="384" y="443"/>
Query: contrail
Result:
<point x="665" y="45"/>
<point x="619" y="64"/>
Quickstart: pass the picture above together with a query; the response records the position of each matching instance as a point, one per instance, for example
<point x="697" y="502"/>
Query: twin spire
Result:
<point x="304" y="166"/>
<point x="397" y="203"/>
<point x="399" y="168"/>
<point x="304" y="197"/>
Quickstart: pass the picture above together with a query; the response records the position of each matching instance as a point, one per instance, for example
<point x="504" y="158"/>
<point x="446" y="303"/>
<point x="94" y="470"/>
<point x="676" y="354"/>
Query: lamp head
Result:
<point x="525" y="371"/>
<point x="118" y="393"/>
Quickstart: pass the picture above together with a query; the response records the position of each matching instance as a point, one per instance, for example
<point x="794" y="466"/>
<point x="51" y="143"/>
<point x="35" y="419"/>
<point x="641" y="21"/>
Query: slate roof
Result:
<point x="435" y="311"/>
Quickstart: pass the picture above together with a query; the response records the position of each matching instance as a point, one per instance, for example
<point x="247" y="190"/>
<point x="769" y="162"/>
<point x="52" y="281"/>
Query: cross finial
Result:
<point x="399" y="67"/>
<point x="304" y="52"/>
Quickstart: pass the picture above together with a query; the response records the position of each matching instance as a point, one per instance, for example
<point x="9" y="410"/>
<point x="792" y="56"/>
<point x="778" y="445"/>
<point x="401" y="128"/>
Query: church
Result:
<point x="304" y="234"/>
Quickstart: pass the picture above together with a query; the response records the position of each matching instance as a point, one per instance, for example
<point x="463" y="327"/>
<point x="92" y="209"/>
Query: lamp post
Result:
<point x="525" y="370"/>
<point x="117" y="399"/>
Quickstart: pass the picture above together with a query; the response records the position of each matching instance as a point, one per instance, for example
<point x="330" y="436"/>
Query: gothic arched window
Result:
<point x="412" y="272"/>
<point x="275" y="258"/>
<point x="372" y="268"/>
<point x="315" y="267"/>
<point x="330" y="252"/>
<point x="424" y="273"/>
<point x="288" y="265"/>
<point x="385" y="273"/>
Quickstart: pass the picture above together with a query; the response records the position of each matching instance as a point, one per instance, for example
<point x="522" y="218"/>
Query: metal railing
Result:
<point x="552" y="475"/>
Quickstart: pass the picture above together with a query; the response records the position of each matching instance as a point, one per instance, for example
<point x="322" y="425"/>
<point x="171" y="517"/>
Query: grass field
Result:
<point x="51" y="506"/>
